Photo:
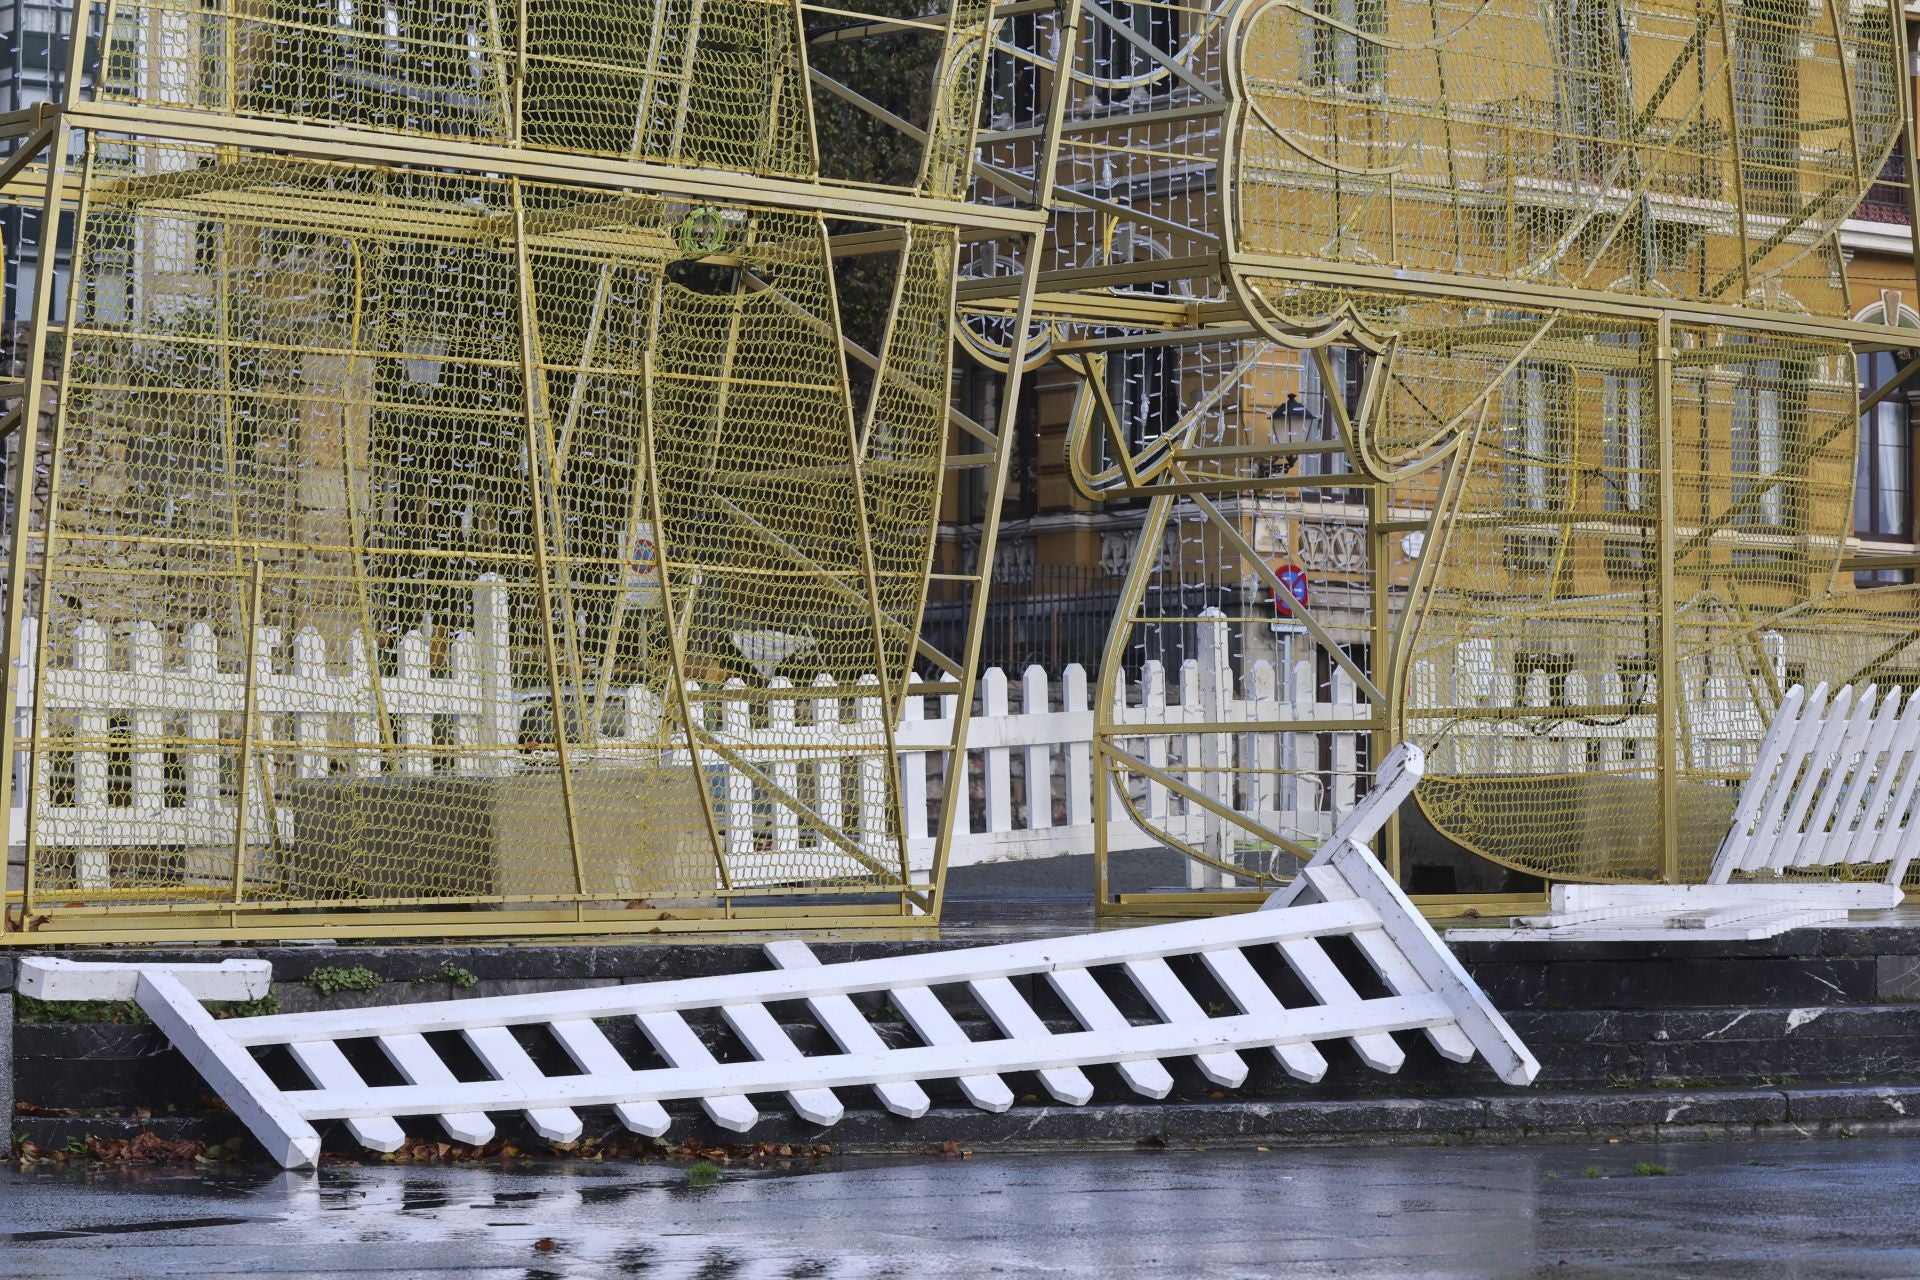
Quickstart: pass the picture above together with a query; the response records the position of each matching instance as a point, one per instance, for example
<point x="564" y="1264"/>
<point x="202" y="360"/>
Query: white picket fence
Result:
<point x="1031" y="792"/>
<point x="1031" y="787"/>
<point x="1577" y="726"/>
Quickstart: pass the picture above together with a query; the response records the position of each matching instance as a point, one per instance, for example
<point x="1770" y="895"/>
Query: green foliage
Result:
<point x="1592" y="1171"/>
<point x="266" y="1004"/>
<point x="33" y="1009"/>
<point x="702" y="1173"/>
<point x="1645" y="1169"/>
<point x="331" y="980"/>
<point x="452" y="974"/>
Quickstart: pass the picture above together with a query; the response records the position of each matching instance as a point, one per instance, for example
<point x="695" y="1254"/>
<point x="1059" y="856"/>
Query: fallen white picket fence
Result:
<point x="1343" y="894"/>
<point x="1834" y="784"/>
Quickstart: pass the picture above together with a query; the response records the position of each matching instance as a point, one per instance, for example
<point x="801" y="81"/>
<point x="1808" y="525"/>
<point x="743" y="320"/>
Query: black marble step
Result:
<point x="1625" y="1115"/>
<point x="68" y="1065"/>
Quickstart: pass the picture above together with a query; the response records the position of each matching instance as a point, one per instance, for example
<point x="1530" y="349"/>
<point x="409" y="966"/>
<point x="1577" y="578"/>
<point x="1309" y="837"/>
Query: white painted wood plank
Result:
<point x="328" y="1068"/>
<point x="931" y="1022"/>
<point x="1771" y="778"/>
<point x="1037" y="757"/>
<point x="932" y="968"/>
<point x="1696" y="897"/>
<point x="1859" y="807"/>
<point x="1394" y="969"/>
<point x="1073" y="1048"/>
<point x="1329" y="986"/>
<point x="850" y="1030"/>
<point x="682" y="1048"/>
<point x="231" y="1071"/>
<point x="53" y="978"/>
<point x="1898" y="842"/>
<point x="591" y="1051"/>
<point x="1490" y="1034"/>
<point x="1174" y="1003"/>
<point x="1096" y="1012"/>
<point x="503" y="1056"/>
<point x="1847" y="736"/>
<point x="766" y="1040"/>
<point x="418" y="1064"/>
<point x="1811" y="787"/>
<point x="1245" y="987"/>
<point x="1014" y="1016"/>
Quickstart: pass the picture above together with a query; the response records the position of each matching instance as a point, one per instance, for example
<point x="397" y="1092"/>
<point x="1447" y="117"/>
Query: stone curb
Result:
<point x="1677" y="1115"/>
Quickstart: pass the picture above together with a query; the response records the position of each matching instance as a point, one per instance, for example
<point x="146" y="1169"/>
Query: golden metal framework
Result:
<point x="468" y="512"/>
<point x="392" y="334"/>
<point x="1562" y="277"/>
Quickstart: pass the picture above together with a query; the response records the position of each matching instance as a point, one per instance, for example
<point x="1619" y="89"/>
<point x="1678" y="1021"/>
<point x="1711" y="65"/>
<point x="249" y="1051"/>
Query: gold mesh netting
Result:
<point x="297" y="440"/>
<point x="1547" y="159"/>
<point x="686" y="82"/>
<point x="1699" y="151"/>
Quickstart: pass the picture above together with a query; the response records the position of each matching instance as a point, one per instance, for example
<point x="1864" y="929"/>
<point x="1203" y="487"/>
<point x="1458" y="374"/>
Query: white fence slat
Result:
<point x="231" y="1070"/>
<point x="329" y="1069"/>
<point x="784" y="772"/>
<point x="1329" y="986"/>
<point x="682" y="1048"/>
<point x="1073" y="701"/>
<point x="592" y="1052"/>
<point x="1068" y="1050"/>
<point x="419" y="1064"/>
<point x="999" y="773"/>
<point x="850" y="1029"/>
<point x="1174" y="1003"/>
<point x="1014" y="1016"/>
<point x="1096" y="1012"/>
<point x="1400" y="976"/>
<point x="1037" y="760"/>
<point x="144" y="660"/>
<point x="1236" y="976"/>
<point x="503" y="1055"/>
<point x="932" y="1022"/>
<point x="763" y="1036"/>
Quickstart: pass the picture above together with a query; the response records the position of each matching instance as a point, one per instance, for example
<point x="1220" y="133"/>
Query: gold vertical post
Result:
<point x="1909" y="137"/>
<point x="1047" y="165"/>
<point x="1152" y="529"/>
<point x="28" y="451"/>
<point x="243" y="771"/>
<point x="1379" y="545"/>
<point x="536" y="452"/>
<point x="1667" y="709"/>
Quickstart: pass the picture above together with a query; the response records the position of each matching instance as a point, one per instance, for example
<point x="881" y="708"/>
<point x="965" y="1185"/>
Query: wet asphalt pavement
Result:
<point x="1749" y="1210"/>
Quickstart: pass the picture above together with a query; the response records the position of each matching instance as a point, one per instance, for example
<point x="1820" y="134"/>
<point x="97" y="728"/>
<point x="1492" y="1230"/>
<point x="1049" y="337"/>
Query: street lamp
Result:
<point x="1293" y="423"/>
